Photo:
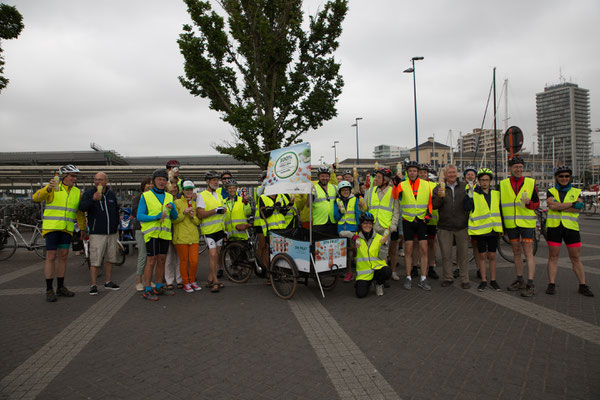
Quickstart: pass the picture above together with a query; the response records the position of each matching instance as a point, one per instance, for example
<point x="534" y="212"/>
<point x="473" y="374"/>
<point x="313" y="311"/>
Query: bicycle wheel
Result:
<point x="235" y="261"/>
<point x="590" y="209"/>
<point x="121" y="254"/>
<point x="284" y="277"/>
<point x="39" y="245"/>
<point x="505" y="249"/>
<point x="8" y="245"/>
<point x="202" y="245"/>
<point x="328" y="282"/>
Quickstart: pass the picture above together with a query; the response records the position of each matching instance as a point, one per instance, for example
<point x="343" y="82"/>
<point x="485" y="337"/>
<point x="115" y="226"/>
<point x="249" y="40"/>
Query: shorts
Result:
<point x="515" y="234"/>
<point x="431" y="231"/>
<point x="156" y="246"/>
<point x="416" y="228"/>
<point x="103" y="247"/>
<point x="486" y="243"/>
<point x="57" y="240"/>
<point x="394" y="236"/>
<point x="214" y="240"/>
<point x="555" y="236"/>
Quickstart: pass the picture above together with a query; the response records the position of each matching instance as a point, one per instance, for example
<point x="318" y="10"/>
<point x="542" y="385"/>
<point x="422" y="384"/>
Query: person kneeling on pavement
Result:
<point x="370" y="259"/>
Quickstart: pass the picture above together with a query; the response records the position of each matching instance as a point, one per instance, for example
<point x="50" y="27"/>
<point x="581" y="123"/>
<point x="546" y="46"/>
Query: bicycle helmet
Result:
<point x="469" y="168"/>
<point x="160" y="173"/>
<point x="225" y="173"/>
<point x="323" y="169"/>
<point x="211" y="175"/>
<point x="561" y="169"/>
<point x="423" y="167"/>
<point x="485" y="171"/>
<point x="69" y="168"/>
<point x="172" y="164"/>
<point x="347" y="172"/>
<point x="366" y="216"/>
<point x="412" y="164"/>
<point x="230" y="182"/>
<point x="385" y="172"/>
<point x="344" y="184"/>
<point x="516" y="160"/>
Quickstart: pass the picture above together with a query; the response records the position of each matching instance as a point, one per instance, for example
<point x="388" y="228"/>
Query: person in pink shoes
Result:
<point x="186" y="237"/>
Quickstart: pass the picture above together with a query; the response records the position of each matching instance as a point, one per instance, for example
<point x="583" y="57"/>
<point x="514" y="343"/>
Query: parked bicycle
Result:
<point x="11" y="238"/>
<point x="590" y="205"/>
<point x="239" y="258"/>
<point x="505" y="247"/>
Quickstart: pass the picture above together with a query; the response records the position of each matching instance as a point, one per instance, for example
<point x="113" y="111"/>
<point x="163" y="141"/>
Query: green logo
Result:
<point x="286" y="165"/>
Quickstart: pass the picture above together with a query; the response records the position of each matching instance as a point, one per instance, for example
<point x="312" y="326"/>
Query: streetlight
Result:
<point x="321" y="160"/>
<point x="356" y="125"/>
<point x="412" y="71"/>
<point x="335" y="150"/>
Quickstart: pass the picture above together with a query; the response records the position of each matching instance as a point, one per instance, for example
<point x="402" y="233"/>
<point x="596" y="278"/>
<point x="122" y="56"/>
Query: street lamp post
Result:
<point x="356" y="125"/>
<point x="413" y="72"/>
<point x="335" y="150"/>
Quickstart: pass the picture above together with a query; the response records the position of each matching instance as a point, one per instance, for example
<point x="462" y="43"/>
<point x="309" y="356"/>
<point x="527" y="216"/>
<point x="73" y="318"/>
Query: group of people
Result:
<point x="375" y="216"/>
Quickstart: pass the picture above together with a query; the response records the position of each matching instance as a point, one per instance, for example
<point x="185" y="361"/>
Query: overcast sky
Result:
<point x="106" y="72"/>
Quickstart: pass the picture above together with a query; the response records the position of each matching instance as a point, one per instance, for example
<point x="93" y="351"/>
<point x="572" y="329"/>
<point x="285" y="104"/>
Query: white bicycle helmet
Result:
<point x="69" y="168"/>
<point x="344" y="184"/>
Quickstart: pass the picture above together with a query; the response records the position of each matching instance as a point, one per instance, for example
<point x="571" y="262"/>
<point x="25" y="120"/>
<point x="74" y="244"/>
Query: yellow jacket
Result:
<point x="185" y="229"/>
<point x="43" y="195"/>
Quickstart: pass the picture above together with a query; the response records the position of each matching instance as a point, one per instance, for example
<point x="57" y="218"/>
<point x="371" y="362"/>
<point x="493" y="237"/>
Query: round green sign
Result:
<point x="286" y="165"/>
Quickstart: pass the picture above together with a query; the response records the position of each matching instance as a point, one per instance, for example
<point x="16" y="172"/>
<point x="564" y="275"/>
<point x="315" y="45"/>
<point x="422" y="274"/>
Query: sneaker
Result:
<point x="379" y="290"/>
<point x="188" y="288"/>
<point x="585" y="290"/>
<point x="495" y="286"/>
<point x="196" y="287"/>
<point x="395" y="276"/>
<point x="408" y="284"/>
<point x="529" y="291"/>
<point x="424" y="285"/>
<point x="64" y="292"/>
<point x="93" y="290"/>
<point x="150" y="295"/>
<point x="112" y="286"/>
<point x="456" y="273"/>
<point x="168" y="292"/>
<point x="402" y="252"/>
<point x="50" y="296"/>
<point x="482" y="286"/>
<point x="516" y="285"/>
<point x="348" y="277"/>
<point x="551" y="289"/>
<point x="139" y="287"/>
<point x="432" y="274"/>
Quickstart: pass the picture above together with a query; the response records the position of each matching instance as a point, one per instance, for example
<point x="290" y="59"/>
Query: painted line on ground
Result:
<point x="348" y="368"/>
<point x="573" y="326"/>
<point x="42" y="290"/>
<point x="30" y="378"/>
<point x="21" y="272"/>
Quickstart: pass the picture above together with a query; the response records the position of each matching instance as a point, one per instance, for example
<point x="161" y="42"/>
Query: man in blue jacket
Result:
<point x="100" y="204"/>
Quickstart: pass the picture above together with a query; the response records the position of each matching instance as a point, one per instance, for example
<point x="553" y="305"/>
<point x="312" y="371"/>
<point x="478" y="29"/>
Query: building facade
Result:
<point x="387" y="151"/>
<point x="480" y="141"/>
<point x="563" y="126"/>
<point x="433" y="153"/>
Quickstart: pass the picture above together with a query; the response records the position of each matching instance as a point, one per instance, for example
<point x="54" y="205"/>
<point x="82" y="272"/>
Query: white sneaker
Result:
<point x="188" y="288"/>
<point x="196" y="287"/>
<point x="139" y="287"/>
<point x="395" y="276"/>
<point x="402" y="252"/>
<point x="379" y="290"/>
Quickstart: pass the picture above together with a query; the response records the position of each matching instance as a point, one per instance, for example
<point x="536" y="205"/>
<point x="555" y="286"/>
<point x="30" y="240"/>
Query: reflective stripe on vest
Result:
<point x="156" y="229"/>
<point x="512" y="213"/>
<point x="569" y="220"/>
<point x="485" y="218"/>
<point x="276" y="220"/>
<point x="414" y="208"/>
<point x="322" y="206"/>
<point x="350" y="217"/>
<point x="60" y="213"/>
<point x="382" y="210"/>
<point x="235" y="215"/>
<point x="214" y="223"/>
<point x="367" y="258"/>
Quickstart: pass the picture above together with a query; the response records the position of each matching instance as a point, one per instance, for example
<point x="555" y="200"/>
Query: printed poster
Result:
<point x="289" y="170"/>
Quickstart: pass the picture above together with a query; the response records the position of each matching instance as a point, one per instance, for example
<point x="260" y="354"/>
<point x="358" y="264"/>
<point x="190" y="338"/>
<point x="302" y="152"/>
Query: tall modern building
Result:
<point x="387" y="151"/>
<point x="563" y="126"/>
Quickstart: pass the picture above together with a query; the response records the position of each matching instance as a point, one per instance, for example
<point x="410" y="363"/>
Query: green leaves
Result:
<point x="269" y="79"/>
<point x="11" y="25"/>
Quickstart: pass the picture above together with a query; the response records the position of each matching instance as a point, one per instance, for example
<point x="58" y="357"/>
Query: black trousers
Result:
<point x="379" y="276"/>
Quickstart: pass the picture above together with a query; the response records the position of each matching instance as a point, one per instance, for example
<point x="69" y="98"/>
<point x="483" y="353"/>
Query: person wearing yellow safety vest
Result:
<point x="258" y="221"/>
<point x="470" y="177"/>
<point x="58" y="224"/>
<point x="211" y="211"/>
<point x="237" y="211"/>
<point x="323" y="198"/>
<point x="386" y="210"/>
<point x="416" y="208"/>
<point x="346" y="211"/>
<point x="518" y="202"/>
<point x="485" y="224"/>
<point x="424" y="170"/>
<point x="564" y="204"/>
<point x="155" y="214"/>
<point x="370" y="257"/>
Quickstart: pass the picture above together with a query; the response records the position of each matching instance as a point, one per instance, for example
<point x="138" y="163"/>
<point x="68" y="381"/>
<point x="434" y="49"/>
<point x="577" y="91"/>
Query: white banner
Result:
<point x="289" y="170"/>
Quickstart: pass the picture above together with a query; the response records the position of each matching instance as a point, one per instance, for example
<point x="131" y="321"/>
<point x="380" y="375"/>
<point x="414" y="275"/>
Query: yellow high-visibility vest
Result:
<point x="484" y="218"/>
<point x="367" y="258"/>
<point x="214" y="223"/>
<point x="414" y="207"/>
<point x="570" y="220"/>
<point x="382" y="210"/>
<point x="322" y="207"/>
<point x="60" y="213"/>
<point x="513" y="214"/>
<point x="156" y="229"/>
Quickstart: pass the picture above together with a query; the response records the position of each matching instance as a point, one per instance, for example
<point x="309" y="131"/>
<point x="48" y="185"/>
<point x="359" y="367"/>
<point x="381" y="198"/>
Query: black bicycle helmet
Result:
<point x="366" y="216"/>
<point x="230" y="182"/>
<point x="226" y="173"/>
<point x="516" y="160"/>
<point x="160" y="173"/>
<point x="412" y="164"/>
<point x="469" y="168"/>
<point x="211" y="175"/>
<point x="347" y="172"/>
<point x="323" y="169"/>
<point x="385" y="172"/>
<point x="561" y="169"/>
<point x="423" y="167"/>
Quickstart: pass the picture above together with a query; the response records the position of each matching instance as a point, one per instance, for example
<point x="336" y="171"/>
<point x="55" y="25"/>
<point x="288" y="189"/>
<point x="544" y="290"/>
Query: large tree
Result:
<point x="11" y="25"/>
<point x="270" y="79"/>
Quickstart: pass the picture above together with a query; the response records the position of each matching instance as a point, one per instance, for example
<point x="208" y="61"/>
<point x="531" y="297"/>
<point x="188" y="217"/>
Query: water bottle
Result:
<point x="57" y="181"/>
<point x="524" y="198"/>
<point x="340" y="204"/>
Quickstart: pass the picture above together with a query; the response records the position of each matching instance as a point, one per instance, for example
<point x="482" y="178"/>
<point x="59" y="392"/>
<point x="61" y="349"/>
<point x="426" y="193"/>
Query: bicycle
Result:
<point x="505" y="247"/>
<point x="10" y="237"/>
<point x="589" y="205"/>
<point x="239" y="258"/>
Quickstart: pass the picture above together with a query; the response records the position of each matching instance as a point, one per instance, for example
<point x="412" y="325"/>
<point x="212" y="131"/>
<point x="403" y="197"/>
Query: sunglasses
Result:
<point x="564" y="176"/>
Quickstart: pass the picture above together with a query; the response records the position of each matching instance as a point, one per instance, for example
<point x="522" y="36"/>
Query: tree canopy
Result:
<point x="11" y="25"/>
<point x="270" y="79"/>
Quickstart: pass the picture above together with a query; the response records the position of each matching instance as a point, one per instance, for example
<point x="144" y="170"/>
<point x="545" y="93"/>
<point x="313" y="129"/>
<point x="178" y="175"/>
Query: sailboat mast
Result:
<point x="495" y="135"/>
